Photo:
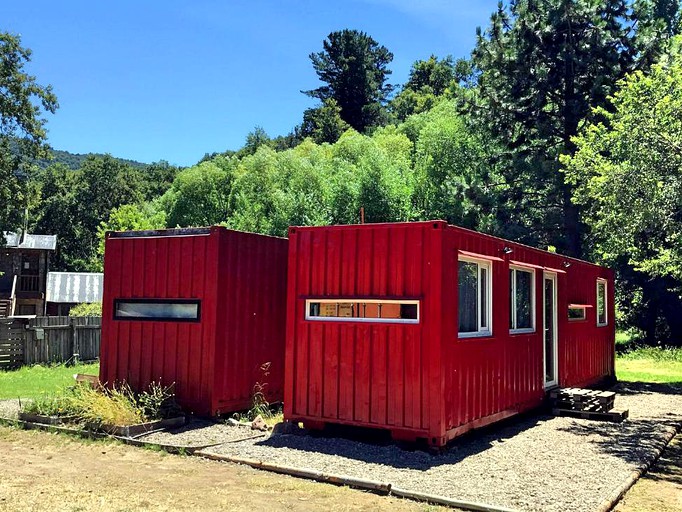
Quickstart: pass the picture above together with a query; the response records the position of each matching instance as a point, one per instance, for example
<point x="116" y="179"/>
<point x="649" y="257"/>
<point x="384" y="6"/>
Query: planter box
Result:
<point x="45" y="420"/>
<point x="141" y="428"/>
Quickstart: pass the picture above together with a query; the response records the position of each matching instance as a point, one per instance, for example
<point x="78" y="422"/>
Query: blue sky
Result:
<point x="173" y="80"/>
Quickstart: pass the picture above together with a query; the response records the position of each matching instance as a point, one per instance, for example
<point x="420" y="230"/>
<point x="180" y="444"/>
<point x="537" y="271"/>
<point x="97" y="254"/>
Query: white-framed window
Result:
<point x="474" y="283"/>
<point x="521" y="300"/>
<point x="577" y="312"/>
<point x="363" y="310"/>
<point x="602" y="317"/>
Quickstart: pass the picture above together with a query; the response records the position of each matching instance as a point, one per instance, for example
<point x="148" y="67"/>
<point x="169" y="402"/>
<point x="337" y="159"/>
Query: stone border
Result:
<point x="613" y="499"/>
<point x="381" y="487"/>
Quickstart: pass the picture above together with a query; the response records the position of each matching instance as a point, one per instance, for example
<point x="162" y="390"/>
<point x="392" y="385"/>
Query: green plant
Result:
<point x="86" y="309"/>
<point x="158" y="402"/>
<point x="259" y="403"/>
<point x="51" y="405"/>
<point x="112" y="406"/>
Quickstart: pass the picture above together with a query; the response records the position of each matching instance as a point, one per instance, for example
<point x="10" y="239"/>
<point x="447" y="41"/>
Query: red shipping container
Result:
<point x="203" y="308"/>
<point x="430" y="330"/>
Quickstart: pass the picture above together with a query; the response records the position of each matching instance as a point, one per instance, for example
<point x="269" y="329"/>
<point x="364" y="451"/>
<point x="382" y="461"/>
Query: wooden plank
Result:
<point x="612" y="415"/>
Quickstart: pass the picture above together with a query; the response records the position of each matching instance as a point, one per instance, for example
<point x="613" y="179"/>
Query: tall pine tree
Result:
<point x="542" y="66"/>
<point x="354" y="68"/>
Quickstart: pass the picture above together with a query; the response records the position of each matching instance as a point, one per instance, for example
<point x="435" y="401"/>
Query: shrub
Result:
<point x="51" y="405"/>
<point x="86" y="309"/>
<point x="115" y="406"/>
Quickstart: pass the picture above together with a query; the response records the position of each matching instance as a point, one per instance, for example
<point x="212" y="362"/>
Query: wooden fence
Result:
<point x="12" y="337"/>
<point x="49" y="339"/>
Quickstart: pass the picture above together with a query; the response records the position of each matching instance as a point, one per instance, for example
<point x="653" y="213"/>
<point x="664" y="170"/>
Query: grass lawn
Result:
<point x="34" y="381"/>
<point x="650" y="364"/>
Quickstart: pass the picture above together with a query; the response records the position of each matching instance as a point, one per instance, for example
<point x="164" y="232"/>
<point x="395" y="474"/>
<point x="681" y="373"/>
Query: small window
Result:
<point x="178" y="310"/>
<point x="577" y="313"/>
<point x="475" y="290"/>
<point x="363" y="310"/>
<point x="521" y="300"/>
<point x="602" y="319"/>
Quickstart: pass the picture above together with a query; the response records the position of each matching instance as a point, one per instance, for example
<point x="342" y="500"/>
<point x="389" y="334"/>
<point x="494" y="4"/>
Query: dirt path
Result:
<point x="42" y="471"/>
<point x="660" y="490"/>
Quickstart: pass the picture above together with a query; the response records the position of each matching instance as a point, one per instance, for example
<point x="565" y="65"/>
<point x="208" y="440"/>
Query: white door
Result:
<point x="551" y="359"/>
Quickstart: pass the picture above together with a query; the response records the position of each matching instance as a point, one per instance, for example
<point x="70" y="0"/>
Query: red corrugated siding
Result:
<point x="251" y="319"/>
<point x="211" y="362"/>
<point x="423" y="378"/>
<point x="365" y="374"/>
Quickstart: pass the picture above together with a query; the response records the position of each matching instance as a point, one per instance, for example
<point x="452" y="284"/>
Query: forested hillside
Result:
<point x="562" y="129"/>
<point x="76" y="160"/>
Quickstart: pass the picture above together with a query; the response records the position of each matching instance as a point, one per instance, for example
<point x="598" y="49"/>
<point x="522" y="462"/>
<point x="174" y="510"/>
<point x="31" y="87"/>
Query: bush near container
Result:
<point x="116" y="410"/>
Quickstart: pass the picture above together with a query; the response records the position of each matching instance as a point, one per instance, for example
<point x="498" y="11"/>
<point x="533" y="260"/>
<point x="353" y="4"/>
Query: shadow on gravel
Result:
<point x="635" y="440"/>
<point x="640" y="388"/>
<point x="381" y="450"/>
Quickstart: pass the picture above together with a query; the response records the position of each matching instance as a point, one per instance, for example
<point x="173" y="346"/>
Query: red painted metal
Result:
<point x="240" y="279"/>
<point x="421" y="380"/>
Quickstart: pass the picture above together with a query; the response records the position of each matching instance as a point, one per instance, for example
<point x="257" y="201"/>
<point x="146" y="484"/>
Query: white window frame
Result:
<point x="482" y="331"/>
<point x="512" y="298"/>
<point x="362" y="319"/>
<point x="606" y="308"/>
<point x="581" y="319"/>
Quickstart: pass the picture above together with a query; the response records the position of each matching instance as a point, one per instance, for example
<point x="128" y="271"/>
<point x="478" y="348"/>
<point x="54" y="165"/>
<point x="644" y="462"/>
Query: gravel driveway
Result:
<point x="534" y="463"/>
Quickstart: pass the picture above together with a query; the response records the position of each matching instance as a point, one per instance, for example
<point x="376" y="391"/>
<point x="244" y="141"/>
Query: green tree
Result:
<point x="324" y="123"/>
<point x="128" y="217"/>
<point x="22" y="128"/>
<point x="451" y="172"/>
<point x="75" y="202"/>
<point x="542" y="65"/>
<point x="158" y="177"/>
<point x="429" y="82"/>
<point x="627" y="174"/>
<point x="200" y="195"/>
<point x="354" y="68"/>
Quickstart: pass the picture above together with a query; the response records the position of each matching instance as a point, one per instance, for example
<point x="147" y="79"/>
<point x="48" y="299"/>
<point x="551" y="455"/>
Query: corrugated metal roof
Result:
<point x="11" y="239"/>
<point x="74" y="287"/>
<point x="44" y="242"/>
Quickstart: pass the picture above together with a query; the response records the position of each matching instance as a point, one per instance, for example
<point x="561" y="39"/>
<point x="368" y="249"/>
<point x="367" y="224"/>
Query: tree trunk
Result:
<point x="571" y="218"/>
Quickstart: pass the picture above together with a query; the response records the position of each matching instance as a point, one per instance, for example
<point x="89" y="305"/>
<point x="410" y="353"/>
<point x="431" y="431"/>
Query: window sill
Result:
<point x="469" y="335"/>
<point x="603" y="325"/>
<point x="521" y="331"/>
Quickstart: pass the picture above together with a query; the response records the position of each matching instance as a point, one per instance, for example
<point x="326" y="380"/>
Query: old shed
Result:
<point x="429" y="330"/>
<point x="202" y="308"/>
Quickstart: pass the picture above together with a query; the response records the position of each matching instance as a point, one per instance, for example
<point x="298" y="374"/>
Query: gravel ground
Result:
<point x="201" y="433"/>
<point x="9" y="409"/>
<point x="533" y="463"/>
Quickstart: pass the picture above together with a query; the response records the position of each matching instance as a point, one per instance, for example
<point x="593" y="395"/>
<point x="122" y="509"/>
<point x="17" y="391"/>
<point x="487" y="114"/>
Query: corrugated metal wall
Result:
<point x="240" y="279"/>
<point x="424" y="378"/>
<point x="251" y="319"/>
<point x="172" y="352"/>
<point x="364" y="374"/>
<point x="504" y="372"/>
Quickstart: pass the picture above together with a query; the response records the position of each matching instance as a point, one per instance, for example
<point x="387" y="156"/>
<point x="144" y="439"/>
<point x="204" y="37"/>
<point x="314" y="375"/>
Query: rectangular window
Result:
<point x="474" y="285"/>
<point x="577" y="312"/>
<point x="178" y="310"/>
<point x="363" y="310"/>
<point x="602" y="319"/>
<point x="521" y="300"/>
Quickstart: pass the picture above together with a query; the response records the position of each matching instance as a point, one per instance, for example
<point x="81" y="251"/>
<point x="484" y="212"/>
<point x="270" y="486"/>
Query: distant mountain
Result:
<point x="75" y="160"/>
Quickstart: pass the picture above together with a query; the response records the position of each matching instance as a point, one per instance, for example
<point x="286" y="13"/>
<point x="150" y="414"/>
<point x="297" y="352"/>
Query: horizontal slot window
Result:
<point x="178" y="310"/>
<point x="371" y="310"/>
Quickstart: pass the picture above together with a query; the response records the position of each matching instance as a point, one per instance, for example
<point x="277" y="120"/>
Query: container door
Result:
<point x="550" y="330"/>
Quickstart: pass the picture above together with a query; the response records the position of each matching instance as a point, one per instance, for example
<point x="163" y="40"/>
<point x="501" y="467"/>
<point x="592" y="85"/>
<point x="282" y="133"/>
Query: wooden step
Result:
<point x="614" y="415"/>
